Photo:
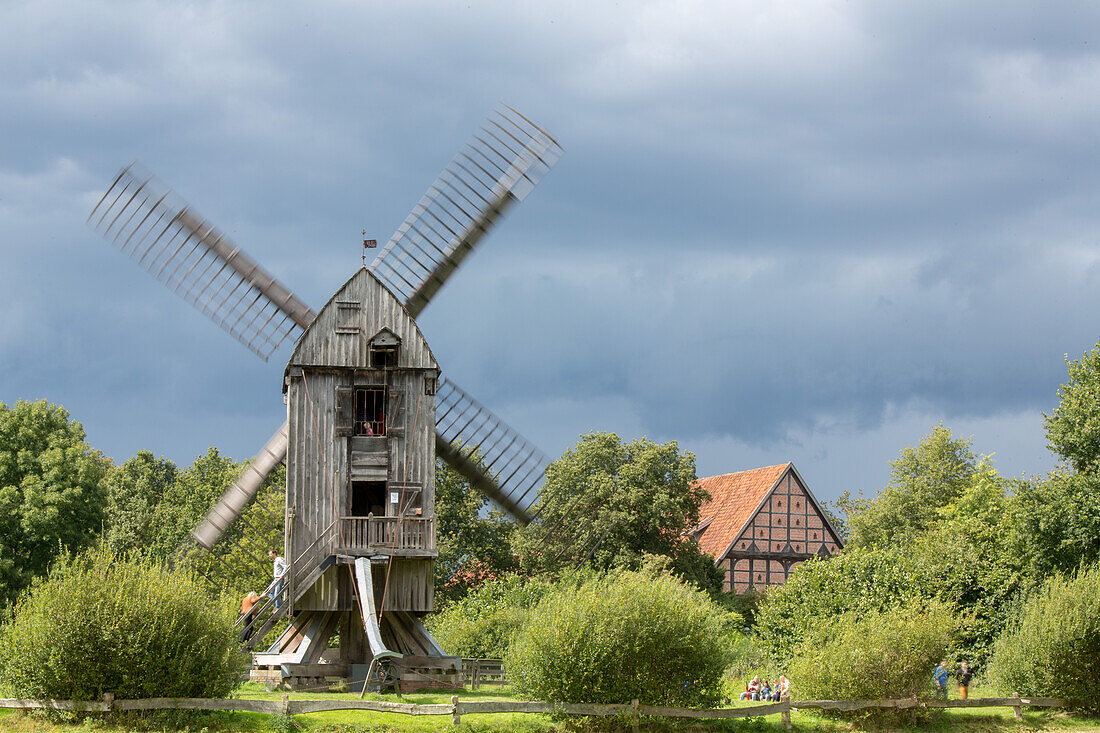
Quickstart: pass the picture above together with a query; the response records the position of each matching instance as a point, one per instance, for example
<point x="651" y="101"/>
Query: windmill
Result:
<point x="367" y="409"/>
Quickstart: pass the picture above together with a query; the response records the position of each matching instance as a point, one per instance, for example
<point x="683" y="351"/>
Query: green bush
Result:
<point x="857" y="581"/>
<point x="1054" y="648"/>
<point x="481" y="623"/>
<point x="100" y="624"/>
<point x="621" y="636"/>
<point x="877" y="655"/>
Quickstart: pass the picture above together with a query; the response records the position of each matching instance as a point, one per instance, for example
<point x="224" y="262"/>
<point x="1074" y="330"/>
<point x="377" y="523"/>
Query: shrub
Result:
<point x="1054" y="648"/>
<point x="481" y="623"/>
<point x="99" y="624"/>
<point x="877" y="655"/>
<point x="621" y="636"/>
<point x="857" y="581"/>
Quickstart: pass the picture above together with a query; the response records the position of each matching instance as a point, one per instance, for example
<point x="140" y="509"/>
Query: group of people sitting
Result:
<point x="764" y="692"/>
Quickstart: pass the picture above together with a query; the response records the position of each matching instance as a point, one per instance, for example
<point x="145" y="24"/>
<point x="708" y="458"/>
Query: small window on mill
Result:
<point x="383" y="357"/>
<point x="347" y="316"/>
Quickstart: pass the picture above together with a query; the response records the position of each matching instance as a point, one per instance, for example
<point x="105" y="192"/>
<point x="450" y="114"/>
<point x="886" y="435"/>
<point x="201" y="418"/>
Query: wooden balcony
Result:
<point x="408" y="536"/>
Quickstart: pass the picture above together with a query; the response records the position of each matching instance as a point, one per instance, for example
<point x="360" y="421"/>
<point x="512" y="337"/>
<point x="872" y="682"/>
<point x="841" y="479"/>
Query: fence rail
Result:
<point x="457" y="708"/>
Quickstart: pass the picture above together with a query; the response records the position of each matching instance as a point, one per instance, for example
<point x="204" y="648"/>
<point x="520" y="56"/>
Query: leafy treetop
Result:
<point x="609" y="504"/>
<point x="50" y="491"/>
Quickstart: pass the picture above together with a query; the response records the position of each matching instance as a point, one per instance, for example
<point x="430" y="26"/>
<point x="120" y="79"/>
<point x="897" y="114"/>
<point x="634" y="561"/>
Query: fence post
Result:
<point x="1016" y="711"/>
<point x="456" y="717"/>
<point x="634" y="713"/>
<point x="785" y="717"/>
<point x="286" y="704"/>
<point x="109" y="698"/>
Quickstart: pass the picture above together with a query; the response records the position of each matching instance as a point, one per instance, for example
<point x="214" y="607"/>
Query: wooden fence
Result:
<point x="457" y="708"/>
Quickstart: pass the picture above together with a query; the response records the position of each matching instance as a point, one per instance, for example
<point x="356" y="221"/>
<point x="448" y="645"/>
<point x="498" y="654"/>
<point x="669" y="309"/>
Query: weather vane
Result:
<point x="367" y="244"/>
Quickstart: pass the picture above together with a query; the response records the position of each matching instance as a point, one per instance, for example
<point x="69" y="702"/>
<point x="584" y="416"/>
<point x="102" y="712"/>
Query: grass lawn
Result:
<point x="348" y="721"/>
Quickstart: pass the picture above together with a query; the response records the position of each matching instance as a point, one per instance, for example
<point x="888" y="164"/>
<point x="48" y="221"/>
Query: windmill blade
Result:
<point x="241" y="493"/>
<point x="492" y="456"/>
<point x="500" y="165"/>
<point x="158" y="230"/>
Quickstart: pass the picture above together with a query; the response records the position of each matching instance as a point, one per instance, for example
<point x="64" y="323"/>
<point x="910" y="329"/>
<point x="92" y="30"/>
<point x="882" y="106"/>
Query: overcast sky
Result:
<point x="800" y="231"/>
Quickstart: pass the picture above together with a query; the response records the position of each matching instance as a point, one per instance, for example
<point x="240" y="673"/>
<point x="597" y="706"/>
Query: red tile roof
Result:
<point x="733" y="499"/>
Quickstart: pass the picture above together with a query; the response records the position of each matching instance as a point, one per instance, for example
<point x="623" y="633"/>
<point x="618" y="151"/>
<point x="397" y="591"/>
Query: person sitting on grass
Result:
<point x="752" y="689"/>
<point x="765" y="691"/>
<point x="783" y="689"/>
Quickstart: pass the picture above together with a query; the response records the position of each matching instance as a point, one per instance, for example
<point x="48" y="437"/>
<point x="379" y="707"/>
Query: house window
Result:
<point x="370" y="411"/>
<point x="347" y="316"/>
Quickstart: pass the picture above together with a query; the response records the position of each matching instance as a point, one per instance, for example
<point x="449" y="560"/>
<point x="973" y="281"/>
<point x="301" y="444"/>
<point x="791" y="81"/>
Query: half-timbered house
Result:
<point x="759" y="525"/>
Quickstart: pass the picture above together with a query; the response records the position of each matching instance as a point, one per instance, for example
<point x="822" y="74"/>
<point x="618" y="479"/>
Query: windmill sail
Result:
<point x="500" y="164"/>
<point x="159" y="231"/>
<point x="241" y="493"/>
<point x="487" y="452"/>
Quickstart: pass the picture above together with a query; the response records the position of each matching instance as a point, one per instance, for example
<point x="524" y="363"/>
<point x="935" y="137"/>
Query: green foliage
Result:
<point x="621" y="636"/>
<point x="887" y="654"/>
<point x="474" y="543"/>
<point x="98" y="624"/>
<point x="1073" y="429"/>
<point x="1060" y="521"/>
<point x="858" y="581"/>
<point x="245" y="544"/>
<point x="483" y="622"/>
<point x="1054" y="648"/>
<point x="50" y="492"/>
<point x="134" y="491"/>
<point x="922" y="480"/>
<point x="973" y="562"/>
<point x="628" y="500"/>
<point x="188" y="498"/>
<point x="746" y="605"/>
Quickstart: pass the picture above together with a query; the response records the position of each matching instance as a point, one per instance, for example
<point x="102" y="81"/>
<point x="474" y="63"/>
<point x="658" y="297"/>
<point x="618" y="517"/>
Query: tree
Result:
<point x="975" y="562"/>
<point x="1059" y="521"/>
<point x="609" y="504"/>
<point x="1073" y="429"/>
<point x="50" y="491"/>
<point x="473" y="540"/>
<point x="922" y="480"/>
<point x="187" y="500"/>
<point x="134" y="491"/>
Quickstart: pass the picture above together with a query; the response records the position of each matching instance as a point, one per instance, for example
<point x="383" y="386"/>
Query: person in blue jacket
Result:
<point x="939" y="678"/>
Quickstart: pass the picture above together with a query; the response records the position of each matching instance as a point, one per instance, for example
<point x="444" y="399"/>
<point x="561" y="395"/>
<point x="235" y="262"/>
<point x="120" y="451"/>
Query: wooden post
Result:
<point x="634" y="713"/>
<point x="785" y="717"/>
<point x="456" y="718"/>
<point x="1017" y="712"/>
<point x="109" y="698"/>
<point x="286" y="704"/>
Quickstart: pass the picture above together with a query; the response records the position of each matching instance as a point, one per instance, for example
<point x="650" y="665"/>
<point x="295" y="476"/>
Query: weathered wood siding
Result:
<point x="322" y="345"/>
<point x="333" y="355"/>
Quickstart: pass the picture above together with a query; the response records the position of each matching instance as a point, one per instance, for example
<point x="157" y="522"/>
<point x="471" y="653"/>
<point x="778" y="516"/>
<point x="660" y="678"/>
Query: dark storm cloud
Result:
<point x="777" y="227"/>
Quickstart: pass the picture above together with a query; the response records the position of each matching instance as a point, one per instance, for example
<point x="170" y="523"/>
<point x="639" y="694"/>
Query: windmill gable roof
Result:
<point x="360" y="310"/>
<point x="735" y="497"/>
